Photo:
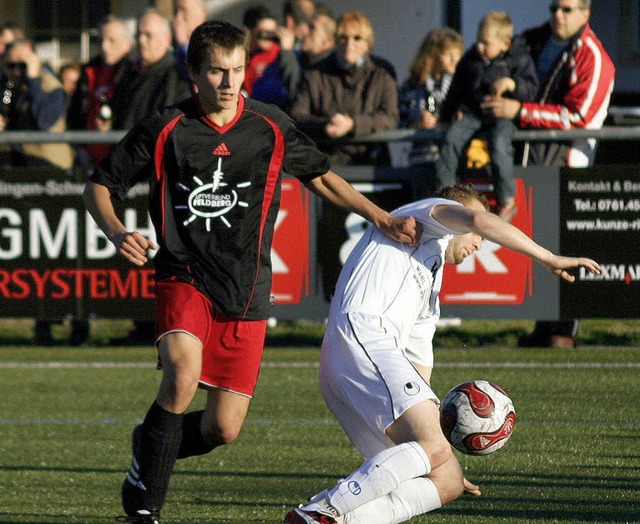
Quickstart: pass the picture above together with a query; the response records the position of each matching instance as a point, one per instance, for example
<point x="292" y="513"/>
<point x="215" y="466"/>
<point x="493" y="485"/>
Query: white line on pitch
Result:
<point x="310" y="365"/>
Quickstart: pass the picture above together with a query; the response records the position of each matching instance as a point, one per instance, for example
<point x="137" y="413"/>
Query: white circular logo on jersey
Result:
<point x="213" y="200"/>
<point x="206" y="204"/>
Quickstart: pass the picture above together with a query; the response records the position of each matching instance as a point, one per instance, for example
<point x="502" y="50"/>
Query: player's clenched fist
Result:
<point x="133" y="246"/>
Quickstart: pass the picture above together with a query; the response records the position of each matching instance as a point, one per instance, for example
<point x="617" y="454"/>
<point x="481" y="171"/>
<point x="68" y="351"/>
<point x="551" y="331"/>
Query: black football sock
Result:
<point x="193" y="443"/>
<point x="159" y="443"/>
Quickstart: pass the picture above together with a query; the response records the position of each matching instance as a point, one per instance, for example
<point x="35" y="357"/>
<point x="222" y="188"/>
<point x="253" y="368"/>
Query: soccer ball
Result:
<point x="477" y="417"/>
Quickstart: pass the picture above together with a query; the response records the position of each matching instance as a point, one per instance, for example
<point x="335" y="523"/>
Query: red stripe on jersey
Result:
<point x="158" y="161"/>
<point x="273" y="176"/>
<point x="221" y="129"/>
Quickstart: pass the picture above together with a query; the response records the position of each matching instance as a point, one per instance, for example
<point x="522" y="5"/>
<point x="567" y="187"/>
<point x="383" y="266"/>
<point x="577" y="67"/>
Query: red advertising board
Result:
<point x="290" y="249"/>
<point x="494" y="275"/>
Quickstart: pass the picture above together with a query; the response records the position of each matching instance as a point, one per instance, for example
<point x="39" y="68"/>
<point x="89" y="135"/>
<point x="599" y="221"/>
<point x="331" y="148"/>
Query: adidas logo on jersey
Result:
<point x="221" y="150"/>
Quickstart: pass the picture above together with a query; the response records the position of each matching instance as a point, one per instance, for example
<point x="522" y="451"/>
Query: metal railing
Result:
<point x="69" y="137"/>
<point x="391" y="135"/>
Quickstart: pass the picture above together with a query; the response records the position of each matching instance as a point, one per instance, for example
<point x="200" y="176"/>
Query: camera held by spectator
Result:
<point x="12" y="85"/>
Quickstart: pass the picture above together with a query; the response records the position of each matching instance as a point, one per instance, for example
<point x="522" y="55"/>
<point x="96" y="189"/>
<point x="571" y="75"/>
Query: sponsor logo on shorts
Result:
<point x="411" y="388"/>
<point x="354" y="487"/>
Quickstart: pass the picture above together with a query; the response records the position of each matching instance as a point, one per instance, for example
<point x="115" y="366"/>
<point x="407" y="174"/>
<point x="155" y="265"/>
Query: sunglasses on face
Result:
<point x="346" y="38"/>
<point x="553" y="8"/>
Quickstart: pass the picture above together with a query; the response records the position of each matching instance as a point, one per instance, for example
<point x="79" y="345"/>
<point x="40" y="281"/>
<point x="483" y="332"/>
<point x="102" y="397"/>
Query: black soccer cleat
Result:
<point x="143" y="517"/>
<point x="133" y="489"/>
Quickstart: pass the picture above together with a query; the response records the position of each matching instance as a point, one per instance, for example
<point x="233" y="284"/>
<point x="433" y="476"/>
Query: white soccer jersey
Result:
<point x="397" y="282"/>
<point x="381" y="323"/>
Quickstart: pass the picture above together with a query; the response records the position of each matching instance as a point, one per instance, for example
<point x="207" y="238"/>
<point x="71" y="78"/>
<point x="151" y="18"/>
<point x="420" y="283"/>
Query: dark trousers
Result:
<point x="499" y="135"/>
<point x="548" y="328"/>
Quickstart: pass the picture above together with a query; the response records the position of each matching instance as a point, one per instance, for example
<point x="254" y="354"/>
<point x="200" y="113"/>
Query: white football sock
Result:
<point x="379" y="475"/>
<point x="411" y="498"/>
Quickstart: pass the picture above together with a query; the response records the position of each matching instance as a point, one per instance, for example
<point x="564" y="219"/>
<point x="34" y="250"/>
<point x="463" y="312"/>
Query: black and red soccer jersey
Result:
<point x="214" y="195"/>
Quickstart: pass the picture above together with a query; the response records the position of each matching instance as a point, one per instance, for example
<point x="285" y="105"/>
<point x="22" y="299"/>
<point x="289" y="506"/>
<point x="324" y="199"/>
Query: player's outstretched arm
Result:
<point x="489" y="226"/>
<point x="131" y="245"/>
<point x="339" y="192"/>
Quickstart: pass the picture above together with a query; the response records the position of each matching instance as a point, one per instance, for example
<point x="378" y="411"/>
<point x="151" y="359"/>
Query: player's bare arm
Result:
<point x="339" y="192"/>
<point x="487" y="225"/>
<point x="130" y="244"/>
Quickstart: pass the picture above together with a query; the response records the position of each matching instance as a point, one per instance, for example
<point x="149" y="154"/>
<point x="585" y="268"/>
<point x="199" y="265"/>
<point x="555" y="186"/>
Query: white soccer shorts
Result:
<point x="366" y="380"/>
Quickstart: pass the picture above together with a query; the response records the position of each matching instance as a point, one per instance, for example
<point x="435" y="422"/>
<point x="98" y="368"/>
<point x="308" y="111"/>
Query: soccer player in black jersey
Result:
<point x="213" y="164"/>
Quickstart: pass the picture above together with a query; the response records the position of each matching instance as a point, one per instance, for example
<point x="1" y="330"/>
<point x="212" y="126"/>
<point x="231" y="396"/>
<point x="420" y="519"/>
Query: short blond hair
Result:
<point x="462" y="193"/>
<point x="498" y="23"/>
<point x="359" y="18"/>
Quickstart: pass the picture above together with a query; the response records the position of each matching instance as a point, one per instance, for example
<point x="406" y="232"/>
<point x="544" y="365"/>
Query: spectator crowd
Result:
<point x="322" y="69"/>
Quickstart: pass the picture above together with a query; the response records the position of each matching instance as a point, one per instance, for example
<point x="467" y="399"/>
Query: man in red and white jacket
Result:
<point x="576" y="80"/>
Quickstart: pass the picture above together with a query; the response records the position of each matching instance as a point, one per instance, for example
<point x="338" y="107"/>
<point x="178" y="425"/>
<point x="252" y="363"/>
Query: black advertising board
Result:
<point x="55" y="262"/>
<point x="338" y="231"/>
<point x="600" y="210"/>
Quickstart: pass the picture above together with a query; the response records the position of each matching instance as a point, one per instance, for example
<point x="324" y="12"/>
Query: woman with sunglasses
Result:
<point x="349" y="94"/>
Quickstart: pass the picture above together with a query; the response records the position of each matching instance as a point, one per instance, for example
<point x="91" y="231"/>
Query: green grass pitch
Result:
<point x="67" y="414"/>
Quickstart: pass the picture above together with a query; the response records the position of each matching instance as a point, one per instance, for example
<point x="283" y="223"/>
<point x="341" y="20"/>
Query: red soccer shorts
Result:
<point x="231" y="348"/>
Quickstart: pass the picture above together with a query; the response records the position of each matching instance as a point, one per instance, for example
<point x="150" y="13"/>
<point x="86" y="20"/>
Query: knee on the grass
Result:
<point x="451" y="489"/>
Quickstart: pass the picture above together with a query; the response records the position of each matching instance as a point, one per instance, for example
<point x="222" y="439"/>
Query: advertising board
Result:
<point x="55" y="262"/>
<point x="600" y="209"/>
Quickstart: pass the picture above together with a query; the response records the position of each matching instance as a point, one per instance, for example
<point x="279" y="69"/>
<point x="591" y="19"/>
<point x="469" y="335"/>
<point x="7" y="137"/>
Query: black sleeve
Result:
<point x="77" y="112"/>
<point x="302" y="159"/>
<point x="303" y="109"/>
<point x="290" y="72"/>
<point x="455" y="95"/>
<point x="130" y="161"/>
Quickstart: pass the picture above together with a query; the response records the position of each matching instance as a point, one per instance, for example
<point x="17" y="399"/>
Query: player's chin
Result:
<point x="459" y="257"/>
<point x="227" y="99"/>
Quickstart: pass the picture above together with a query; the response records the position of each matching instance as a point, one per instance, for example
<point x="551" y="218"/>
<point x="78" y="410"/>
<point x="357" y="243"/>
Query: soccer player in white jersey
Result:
<point x="377" y="357"/>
